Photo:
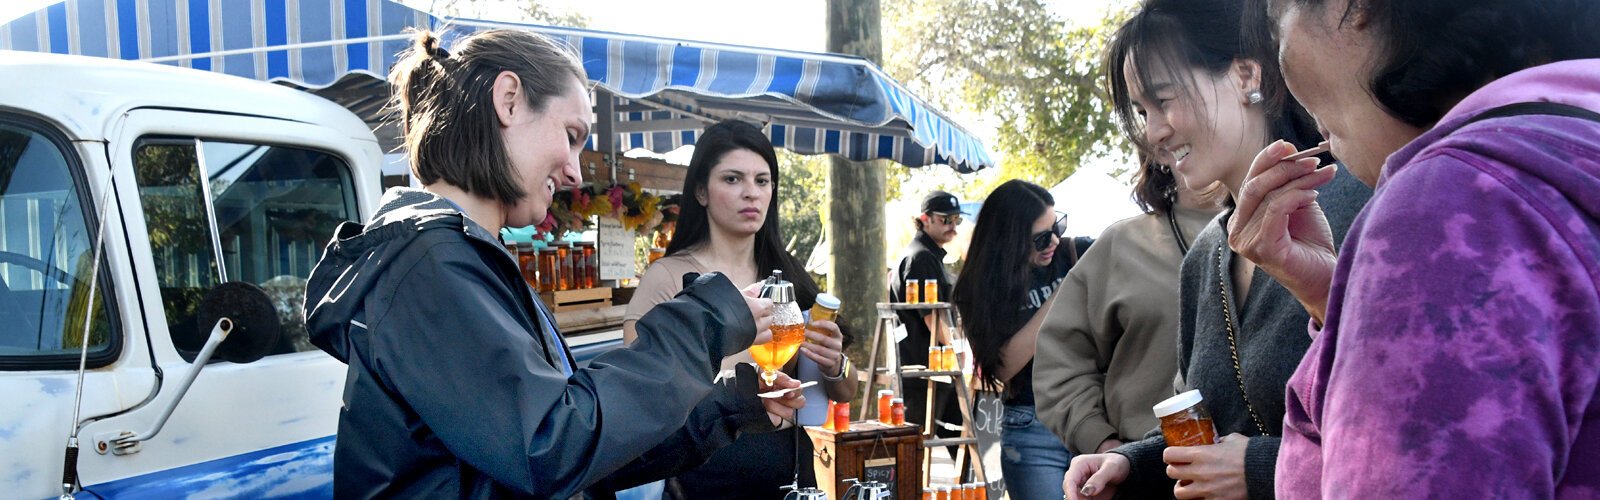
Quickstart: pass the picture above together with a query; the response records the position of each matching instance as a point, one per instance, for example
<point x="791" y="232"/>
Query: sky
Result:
<point x="792" y="25"/>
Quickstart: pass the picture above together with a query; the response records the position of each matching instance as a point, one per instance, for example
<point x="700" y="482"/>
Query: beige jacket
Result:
<point x="1107" y="350"/>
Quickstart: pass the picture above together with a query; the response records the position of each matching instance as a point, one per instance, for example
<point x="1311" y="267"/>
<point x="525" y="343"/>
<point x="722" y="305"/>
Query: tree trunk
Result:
<point x="856" y="191"/>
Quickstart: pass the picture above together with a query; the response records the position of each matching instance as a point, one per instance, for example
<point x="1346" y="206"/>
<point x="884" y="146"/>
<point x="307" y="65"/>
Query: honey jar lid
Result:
<point x="1178" y="403"/>
<point x="828" y="300"/>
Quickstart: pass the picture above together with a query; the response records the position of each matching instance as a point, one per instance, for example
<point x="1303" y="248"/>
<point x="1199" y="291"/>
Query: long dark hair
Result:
<point x="1175" y="35"/>
<point x="694" y="224"/>
<point x="994" y="282"/>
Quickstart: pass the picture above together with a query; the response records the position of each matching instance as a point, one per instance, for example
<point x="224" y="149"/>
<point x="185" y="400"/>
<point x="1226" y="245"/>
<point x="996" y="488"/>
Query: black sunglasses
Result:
<point x="1043" y="239"/>
<point x="948" y="220"/>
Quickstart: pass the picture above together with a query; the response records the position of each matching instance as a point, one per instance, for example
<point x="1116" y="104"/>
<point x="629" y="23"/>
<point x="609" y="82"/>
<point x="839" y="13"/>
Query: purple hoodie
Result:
<point x="1461" y="353"/>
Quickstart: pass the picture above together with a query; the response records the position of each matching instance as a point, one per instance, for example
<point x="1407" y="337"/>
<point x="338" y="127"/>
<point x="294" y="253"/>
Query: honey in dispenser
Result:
<point x="1184" y="421"/>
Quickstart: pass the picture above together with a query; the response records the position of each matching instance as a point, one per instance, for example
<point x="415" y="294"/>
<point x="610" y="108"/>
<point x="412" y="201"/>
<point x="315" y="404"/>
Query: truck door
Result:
<point x="213" y="198"/>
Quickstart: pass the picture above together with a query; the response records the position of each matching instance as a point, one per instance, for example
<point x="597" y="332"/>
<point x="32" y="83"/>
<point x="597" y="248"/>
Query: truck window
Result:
<point x="275" y="209"/>
<point x="46" y="255"/>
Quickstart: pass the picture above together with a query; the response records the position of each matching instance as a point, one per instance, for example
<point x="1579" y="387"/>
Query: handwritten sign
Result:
<point x="881" y="470"/>
<point x="616" y="250"/>
<point x="988" y="416"/>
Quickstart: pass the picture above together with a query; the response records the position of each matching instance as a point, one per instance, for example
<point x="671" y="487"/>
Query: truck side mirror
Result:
<point x="242" y="327"/>
<point x="255" y="323"/>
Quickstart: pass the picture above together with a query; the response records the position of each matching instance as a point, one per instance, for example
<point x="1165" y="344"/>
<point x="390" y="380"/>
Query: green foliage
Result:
<point x="1037" y="76"/>
<point x="802" y="196"/>
<point x="523" y="11"/>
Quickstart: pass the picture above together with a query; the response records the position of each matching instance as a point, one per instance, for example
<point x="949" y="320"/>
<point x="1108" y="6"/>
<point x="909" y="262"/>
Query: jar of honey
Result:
<point x="1184" y="421"/>
<point x="841" y="417"/>
<point x="527" y="262"/>
<point x="549" y="269"/>
<point x="913" y="291"/>
<point x="930" y="291"/>
<point x="591" y="264"/>
<point x="949" y="359"/>
<point x="564" y="260"/>
<point x="886" y="407"/>
<point x="935" y="358"/>
<point x="897" y="407"/>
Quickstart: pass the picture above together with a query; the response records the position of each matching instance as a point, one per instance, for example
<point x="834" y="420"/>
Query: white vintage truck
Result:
<point x="123" y="185"/>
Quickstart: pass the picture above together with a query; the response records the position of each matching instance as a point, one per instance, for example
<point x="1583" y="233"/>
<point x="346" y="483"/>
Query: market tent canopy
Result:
<point x="652" y="93"/>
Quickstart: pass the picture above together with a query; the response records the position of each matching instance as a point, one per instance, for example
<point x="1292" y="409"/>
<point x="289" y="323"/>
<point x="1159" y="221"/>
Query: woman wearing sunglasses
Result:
<point x="1016" y="260"/>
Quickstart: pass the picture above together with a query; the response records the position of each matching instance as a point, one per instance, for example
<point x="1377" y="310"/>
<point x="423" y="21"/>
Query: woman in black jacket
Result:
<point x="460" y="384"/>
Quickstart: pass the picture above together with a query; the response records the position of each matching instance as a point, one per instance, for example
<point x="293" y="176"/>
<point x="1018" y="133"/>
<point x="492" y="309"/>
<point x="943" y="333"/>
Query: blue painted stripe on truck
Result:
<point x="296" y="470"/>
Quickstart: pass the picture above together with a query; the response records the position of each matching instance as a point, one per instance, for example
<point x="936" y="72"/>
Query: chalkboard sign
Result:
<point x="988" y="416"/>
<point x="881" y="470"/>
<point x="616" y="250"/>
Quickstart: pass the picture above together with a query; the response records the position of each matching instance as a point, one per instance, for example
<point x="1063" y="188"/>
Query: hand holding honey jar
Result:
<point x="1195" y="457"/>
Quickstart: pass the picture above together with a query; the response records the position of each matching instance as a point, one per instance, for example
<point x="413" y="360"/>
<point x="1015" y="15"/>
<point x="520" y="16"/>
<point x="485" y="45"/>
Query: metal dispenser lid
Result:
<point x="805" y="493"/>
<point x="776" y="289"/>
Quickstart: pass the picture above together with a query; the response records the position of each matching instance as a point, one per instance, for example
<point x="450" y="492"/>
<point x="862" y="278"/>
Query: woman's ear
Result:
<point x="701" y="196"/>
<point x="508" y="99"/>
<point x="1245" y="75"/>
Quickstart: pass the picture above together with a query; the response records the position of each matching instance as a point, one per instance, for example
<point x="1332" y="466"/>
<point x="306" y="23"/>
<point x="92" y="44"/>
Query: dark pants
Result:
<point x="755" y="466"/>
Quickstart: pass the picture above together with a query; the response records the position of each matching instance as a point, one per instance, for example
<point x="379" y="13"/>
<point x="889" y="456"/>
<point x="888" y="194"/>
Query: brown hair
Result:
<point x="446" y="108"/>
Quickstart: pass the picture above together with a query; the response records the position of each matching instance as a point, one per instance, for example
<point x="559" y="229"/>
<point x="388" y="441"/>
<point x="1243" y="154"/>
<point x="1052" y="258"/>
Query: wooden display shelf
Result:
<point x="571" y="300"/>
<point x="869" y="451"/>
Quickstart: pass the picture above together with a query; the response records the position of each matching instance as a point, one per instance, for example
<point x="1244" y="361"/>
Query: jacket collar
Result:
<point x="926" y="241"/>
<point x="416" y="206"/>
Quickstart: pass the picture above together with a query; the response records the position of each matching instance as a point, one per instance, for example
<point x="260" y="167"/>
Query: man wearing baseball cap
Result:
<point x="924" y="260"/>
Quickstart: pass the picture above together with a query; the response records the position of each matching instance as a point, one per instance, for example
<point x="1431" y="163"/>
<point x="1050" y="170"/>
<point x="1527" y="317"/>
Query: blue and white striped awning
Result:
<point x="653" y="93"/>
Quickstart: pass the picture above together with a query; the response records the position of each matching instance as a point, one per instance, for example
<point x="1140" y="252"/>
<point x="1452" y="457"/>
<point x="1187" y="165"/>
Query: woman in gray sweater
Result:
<point x="1197" y="99"/>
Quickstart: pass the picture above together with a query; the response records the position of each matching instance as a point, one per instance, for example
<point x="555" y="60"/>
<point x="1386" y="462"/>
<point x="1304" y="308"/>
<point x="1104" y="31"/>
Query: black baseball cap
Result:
<point x="942" y="203"/>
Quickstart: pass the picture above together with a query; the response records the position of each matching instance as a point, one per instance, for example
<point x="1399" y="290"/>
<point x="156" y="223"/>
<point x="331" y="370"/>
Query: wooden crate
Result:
<point x="568" y="300"/>
<point x="886" y="450"/>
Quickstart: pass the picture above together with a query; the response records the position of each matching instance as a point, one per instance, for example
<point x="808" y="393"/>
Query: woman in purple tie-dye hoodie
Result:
<point x="1458" y="350"/>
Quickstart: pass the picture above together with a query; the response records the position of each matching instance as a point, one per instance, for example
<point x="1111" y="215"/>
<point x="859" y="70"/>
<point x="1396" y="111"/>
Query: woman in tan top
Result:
<point x="729" y="224"/>
<point x="1107" y="351"/>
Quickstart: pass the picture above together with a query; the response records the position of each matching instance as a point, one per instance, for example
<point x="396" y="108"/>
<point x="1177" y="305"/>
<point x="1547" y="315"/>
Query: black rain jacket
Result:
<point x="460" y="385"/>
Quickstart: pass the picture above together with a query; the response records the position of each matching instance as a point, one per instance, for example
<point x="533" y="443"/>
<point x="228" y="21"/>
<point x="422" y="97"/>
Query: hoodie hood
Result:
<point x="1573" y="83"/>
<point x="353" y="264"/>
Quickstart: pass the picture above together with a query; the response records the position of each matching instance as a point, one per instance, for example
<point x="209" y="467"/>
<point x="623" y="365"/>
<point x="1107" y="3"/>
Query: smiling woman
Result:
<point x="459" y="382"/>
<point x="1196" y="97"/>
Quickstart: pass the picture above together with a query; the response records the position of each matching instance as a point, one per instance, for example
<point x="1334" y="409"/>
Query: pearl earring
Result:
<point x="1255" y="97"/>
